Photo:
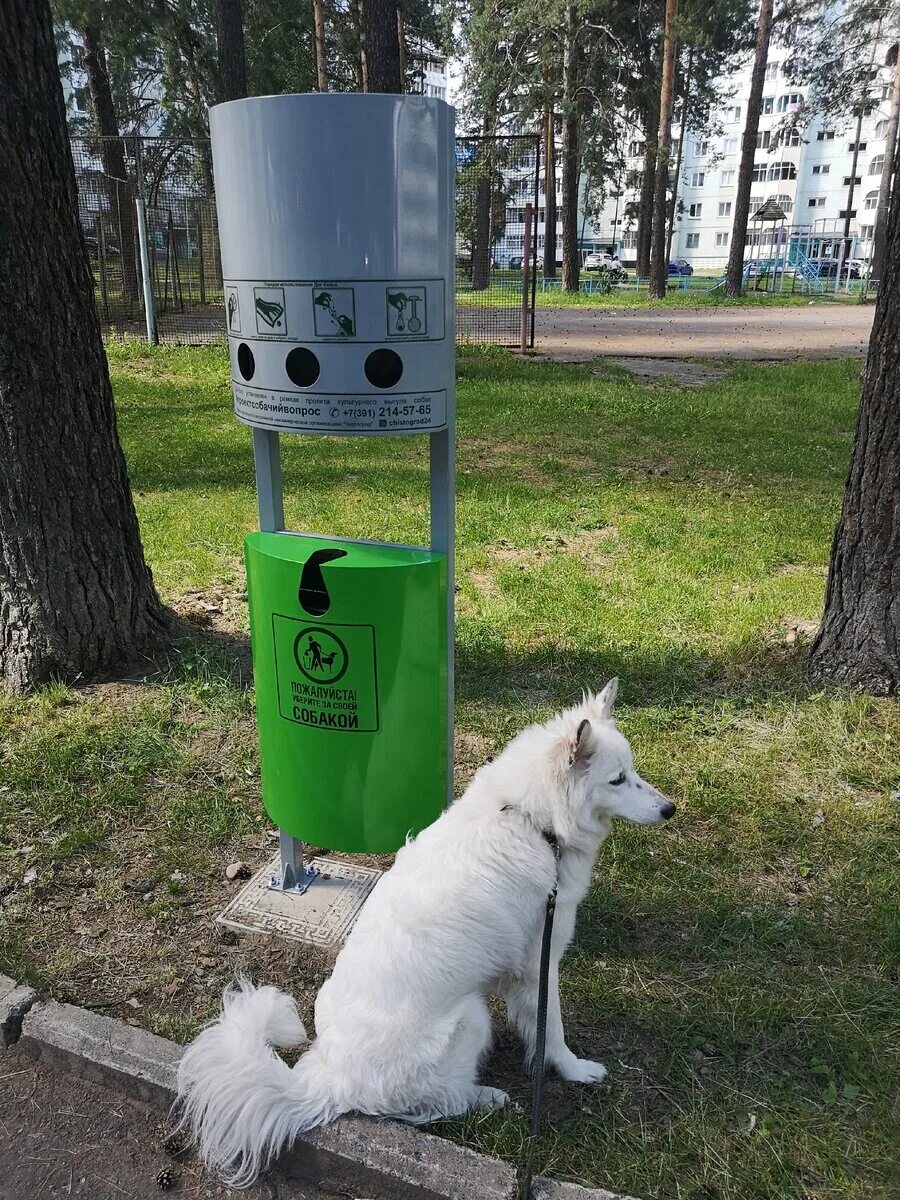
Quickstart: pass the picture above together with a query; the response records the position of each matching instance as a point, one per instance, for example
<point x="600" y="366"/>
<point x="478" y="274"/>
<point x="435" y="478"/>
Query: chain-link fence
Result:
<point x="167" y="183"/>
<point x="495" y="178"/>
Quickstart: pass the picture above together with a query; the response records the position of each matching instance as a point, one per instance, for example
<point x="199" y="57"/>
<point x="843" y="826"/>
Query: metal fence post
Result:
<point x="526" y="268"/>
<point x="146" y="273"/>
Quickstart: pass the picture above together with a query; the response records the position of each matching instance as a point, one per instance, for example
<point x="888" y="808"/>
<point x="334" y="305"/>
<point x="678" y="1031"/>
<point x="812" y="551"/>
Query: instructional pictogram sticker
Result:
<point x="270" y="315"/>
<point x="326" y="674"/>
<point x="233" y="309"/>
<point x="334" y="312"/>
<point x="406" y="313"/>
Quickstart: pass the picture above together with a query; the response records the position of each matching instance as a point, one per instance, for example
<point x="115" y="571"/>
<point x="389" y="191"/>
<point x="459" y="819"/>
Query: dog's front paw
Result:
<point x="490" y="1098"/>
<point x="582" y="1070"/>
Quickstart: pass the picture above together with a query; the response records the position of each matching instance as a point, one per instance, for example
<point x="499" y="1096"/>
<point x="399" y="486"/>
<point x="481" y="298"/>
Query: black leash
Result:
<point x="540" y="1040"/>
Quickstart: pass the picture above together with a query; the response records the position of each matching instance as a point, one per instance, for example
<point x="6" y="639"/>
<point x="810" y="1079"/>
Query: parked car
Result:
<point x="680" y="266"/>
<point x="515" y="263"/>
<point x="602" y="258"/>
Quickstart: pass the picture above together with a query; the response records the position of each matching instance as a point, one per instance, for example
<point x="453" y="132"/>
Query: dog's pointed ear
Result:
<point x="581" y="747"/>
<point x="605" y="700"/>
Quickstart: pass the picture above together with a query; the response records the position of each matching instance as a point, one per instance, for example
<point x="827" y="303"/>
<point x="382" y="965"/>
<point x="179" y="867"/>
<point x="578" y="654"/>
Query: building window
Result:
<point x="636" y="149"/>
<point x="725" y="208"/>
<point x="793" y="138"/>
<point x="843" y="213"/>
<point x="730" y="146"/>
<point x="880" y="128"/>
<point x="876" y="166"/>
<point x="728" y="177"/>
<point x="721" y="239"/>
<point x="871" y="201"/>
<point x="76" y="56"/>
<point x="851" y="146"/>
<point x="701" y="148"/>
<point x="789" y="103"/>
<point x="771" y="71"/>
<point x="821" y="169"/>
<point x="785" y="203"/>
<point x="762" y="139"/>
<point x="817" y="202"/>
<point x="856" y="180"/>
<point x="782" y="170"/>
<point x="693" y="241"/>
<point x="733" y="113"/>
<point x="697" y="178"/>
<point x="766" y="106"/>
<point x="694" y="210"/>
<point x="867" y="232"/>
<point x="825" y="135"/>
<point x="759" y="173"/>
<point x="629" y="240"/>
<point x="755" y="202"/>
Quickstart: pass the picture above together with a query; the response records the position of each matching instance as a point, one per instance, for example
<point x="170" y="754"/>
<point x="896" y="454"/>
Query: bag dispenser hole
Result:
<point x="246" y="362"/>
<point x="302" y="367"/>
<point x="384" y="368"/>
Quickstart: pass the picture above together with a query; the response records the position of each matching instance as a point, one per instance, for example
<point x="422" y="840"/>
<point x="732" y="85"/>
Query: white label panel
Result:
<point x="409" y="412"/>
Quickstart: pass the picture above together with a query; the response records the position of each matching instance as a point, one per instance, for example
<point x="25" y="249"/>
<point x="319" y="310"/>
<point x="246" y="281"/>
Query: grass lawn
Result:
<point x="733" y="969"/>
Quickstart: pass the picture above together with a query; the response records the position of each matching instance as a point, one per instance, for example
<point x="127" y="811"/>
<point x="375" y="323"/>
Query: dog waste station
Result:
<point x="337" y="231"/>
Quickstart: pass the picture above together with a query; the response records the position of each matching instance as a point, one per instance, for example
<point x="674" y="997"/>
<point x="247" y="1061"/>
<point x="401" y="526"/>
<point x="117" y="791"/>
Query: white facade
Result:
<point x="430" y="73"/>
<point x="807" y="172"/>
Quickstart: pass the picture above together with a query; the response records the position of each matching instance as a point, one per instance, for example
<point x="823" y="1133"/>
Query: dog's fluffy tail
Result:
<point x="243" y="1102"/>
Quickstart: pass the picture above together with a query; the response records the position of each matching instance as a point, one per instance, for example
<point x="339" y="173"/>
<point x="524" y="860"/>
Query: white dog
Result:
<point x="402" y="1023"/>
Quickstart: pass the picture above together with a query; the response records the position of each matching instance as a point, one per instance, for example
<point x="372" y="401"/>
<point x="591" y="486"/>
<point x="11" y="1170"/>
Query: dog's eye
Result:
<point x="619" y="779"/>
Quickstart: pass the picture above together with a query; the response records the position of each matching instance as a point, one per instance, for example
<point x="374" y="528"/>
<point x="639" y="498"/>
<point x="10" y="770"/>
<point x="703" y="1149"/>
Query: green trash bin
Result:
<point x="350" y="662"/>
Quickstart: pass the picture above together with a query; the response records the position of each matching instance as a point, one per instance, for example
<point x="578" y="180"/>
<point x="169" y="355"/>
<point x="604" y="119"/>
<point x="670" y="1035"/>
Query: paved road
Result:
<point x="817" y="330"/>
<point x="61" y="1137"/>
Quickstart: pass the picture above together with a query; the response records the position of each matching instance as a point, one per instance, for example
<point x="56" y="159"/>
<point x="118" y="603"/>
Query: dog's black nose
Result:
<point x="667" y="810"/>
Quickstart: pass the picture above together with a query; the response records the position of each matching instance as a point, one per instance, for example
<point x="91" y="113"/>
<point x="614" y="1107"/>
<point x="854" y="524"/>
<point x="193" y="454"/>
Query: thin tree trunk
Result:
<point x="319" y="28"/>
<point x="76" y="596"/>
<point x="682" y="134"/>
<point x="734" y="272"/>
<point x="230" y="45"/>
<point x="382" y="46"/>
<point x="645" y="212"/>
<point x="658" y="262"/>
<point x="571" y="157"/>
<point x="859" y="642"/>
<point x="550" y="193"/>
<point x="112" y="156"/>
<point x="887" y="174"/>
<point x="482" y="249"/>
<point x="359" y="67"/>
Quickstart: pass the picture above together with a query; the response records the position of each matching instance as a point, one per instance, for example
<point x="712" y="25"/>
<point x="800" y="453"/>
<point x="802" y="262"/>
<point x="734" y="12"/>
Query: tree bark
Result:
<point x="645" y="213"/>
<point x="673" y="199"/>
<point x="112" y="157"/>
<point x="571" y="157"/>
<point x="550" y="194"/>
<point x="734" y="272"/>
<point x="887" y="174"/>
<point x="230" y="45"/>
<point x="401" y="46"/>
<point x="360" y="68"/>
<point x="319" y="28"/>
<point x="482" y="250"/>
<point x="76" y="596"/>
<point x="658" y="262"/>
<point x="858" y="644"/>
<point x="382" y="46"/>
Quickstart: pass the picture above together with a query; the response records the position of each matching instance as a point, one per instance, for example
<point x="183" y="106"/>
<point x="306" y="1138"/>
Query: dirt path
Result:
<point x="64" y="1137"/>
<point x="816" y="330"/>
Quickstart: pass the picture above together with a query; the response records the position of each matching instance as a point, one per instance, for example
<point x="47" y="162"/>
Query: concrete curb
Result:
<point x="110" y="1052"/>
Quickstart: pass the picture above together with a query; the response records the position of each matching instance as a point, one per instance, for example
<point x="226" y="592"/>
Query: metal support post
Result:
<point x="295" y="875"/>
<point x="526" y="268"/>
<point x="442" y="452"/>
<point x="146" y="274"/>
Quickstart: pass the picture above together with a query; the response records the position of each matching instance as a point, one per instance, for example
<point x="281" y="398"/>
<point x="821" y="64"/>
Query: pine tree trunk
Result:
<point x="76" y="596"/>
<point x="360" y="69"/>
<point x="859" y="642"/>
<point x="382" y="46"/>
<point x="673" y="199"/>
<point x="230" y="44"/>
<point x="401" y="46"/>
<point x="550" y="195"/>
<point x="319" y="28"/>
<point x="482" y="249"/>
<point x="734" y="272"/>
<point x="645" y="213"/>
<point x="112" y="156"/>
<point x="658" y="264"/>
<point x="571" y="157"/>
<point x="887" y="174"/>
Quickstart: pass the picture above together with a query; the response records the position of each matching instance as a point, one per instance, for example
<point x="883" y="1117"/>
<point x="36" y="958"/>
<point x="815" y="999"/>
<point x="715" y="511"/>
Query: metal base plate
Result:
<point x="322" y="916"/>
